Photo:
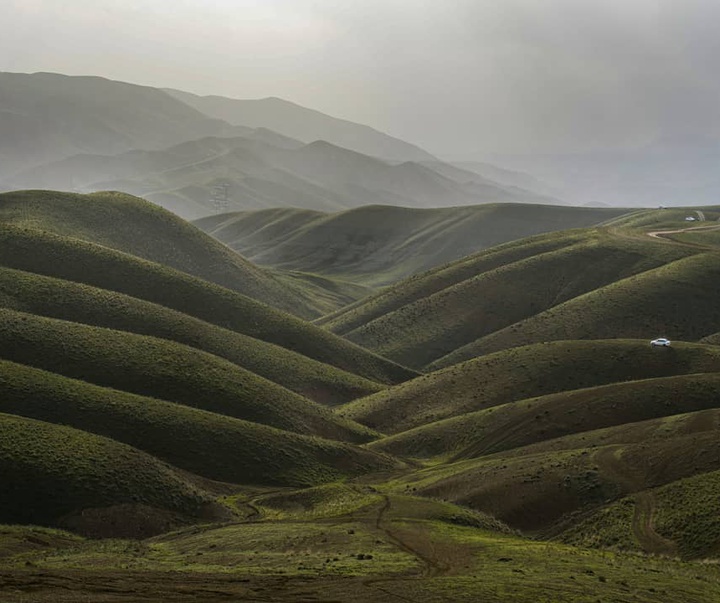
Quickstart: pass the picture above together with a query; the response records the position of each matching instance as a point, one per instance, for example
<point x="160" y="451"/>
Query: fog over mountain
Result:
<point x="570" y="91"/>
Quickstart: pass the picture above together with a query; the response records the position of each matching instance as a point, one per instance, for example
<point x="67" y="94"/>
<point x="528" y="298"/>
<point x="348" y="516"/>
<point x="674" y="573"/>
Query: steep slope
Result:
<point x="66" y="300"/>
<point x="444" y="318"/>
<point x="47" y="116"/>
<point x="207" y="444"/>
<point x="524" y="372"/>
<point x="166" y="370"/>
<point x="382" y="244"/>
<point x="303" y="124"/>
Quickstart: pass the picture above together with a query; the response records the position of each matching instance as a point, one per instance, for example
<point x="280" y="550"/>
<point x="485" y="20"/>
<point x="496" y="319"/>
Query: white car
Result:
<point x="661" y="341"/>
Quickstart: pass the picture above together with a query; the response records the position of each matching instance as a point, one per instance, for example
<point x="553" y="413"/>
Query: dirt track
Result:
<point x="610" y="462"/>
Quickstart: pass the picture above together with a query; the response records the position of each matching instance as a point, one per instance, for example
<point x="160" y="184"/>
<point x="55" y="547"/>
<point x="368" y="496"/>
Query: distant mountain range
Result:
<point x="199" y="155"/>
<point x="306" y="125"/>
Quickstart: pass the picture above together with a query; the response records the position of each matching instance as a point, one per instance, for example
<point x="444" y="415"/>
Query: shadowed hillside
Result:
<point x="51" y="473"/>
<point x="525" y="422"/>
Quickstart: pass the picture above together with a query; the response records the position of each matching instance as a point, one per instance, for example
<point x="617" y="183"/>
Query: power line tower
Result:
<point x="220" y="199"/>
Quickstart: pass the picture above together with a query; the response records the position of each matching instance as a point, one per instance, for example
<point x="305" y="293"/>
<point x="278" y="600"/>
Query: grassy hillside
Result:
<point x="134" y="226"/>
<point x="525" y="422"/>
<point x="71" y="301"/>
<point x="434" y="280"/>
<point x="78" y="261"/>
<point x="435" y="325"/>
<point x="207" y="444"/>
<point x="166" y="370"/>
<point x="51" y="473"/>
<point x="524" y="372"/>
<point x="377" y="245"/>
<point x="676" y="300"/>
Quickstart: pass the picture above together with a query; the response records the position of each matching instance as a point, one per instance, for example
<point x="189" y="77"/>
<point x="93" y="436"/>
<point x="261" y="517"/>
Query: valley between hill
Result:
<point x="495" y="428"/>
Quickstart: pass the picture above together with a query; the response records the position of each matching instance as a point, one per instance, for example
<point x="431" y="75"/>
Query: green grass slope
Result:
<point x="377" y="245"/>
<point x="419" y="286"/>
<point x="421" y="332"/>
<point x="51" y="472"/>
<point x="207" y="444"/>
<point x="676" y="300"/>
<point x="135" y="226"/>
<point x="524" y="372"/>
<point x="166" y="370"/>
<point x="88" y="263"/>
<point x="71" y="301"/>
<point x="526" y="422"/>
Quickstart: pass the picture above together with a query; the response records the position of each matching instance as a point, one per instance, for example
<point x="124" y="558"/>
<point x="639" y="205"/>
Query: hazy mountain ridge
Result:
<point x="258" y="174"/>
<point x="47" y="116"/>
<point x="303" y="124"/>
<point x="88" y="134"/>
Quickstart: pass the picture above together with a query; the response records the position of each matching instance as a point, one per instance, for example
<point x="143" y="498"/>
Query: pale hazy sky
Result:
<point x="455" y="76"/>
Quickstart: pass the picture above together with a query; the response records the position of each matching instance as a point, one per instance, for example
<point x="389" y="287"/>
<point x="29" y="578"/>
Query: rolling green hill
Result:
<point x="74" y="260"/>
<point x="134" y="226"/>
<point x="525" y="422"/>
<point x="512" y="295"/>
<point x="66" y="300"/>
<point x="683" y="518"/>
<point x="547" y="492"/>
<point x="377" y="245"/>
<point x="207" y="444"/>
<point x="676" y="300"/>
<point x="524" y="372"/>
<point x="166" y="370"/>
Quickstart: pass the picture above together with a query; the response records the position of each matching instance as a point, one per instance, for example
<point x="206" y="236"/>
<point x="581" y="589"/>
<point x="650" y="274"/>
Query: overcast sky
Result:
<point x="459" y="77"/>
